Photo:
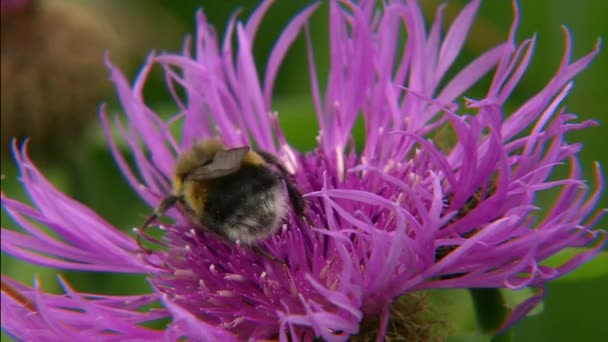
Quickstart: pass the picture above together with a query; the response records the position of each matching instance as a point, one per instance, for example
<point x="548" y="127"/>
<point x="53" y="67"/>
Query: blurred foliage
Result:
<point x="53" y="75"/>
<point x="86" y="170"/>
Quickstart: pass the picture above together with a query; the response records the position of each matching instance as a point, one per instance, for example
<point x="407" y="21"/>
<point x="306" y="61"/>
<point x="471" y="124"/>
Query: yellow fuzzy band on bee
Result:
<point x="195" y="196"/>
<point x="178" y="182"/>
<point x="252" y="158"/>
<point x="211" y="145"/>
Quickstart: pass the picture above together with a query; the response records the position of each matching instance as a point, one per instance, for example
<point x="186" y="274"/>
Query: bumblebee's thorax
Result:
<point x="247" y="205"/>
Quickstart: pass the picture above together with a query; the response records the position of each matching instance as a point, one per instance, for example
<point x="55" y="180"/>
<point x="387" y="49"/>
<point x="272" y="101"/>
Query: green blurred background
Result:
<point x="82" y="167"/>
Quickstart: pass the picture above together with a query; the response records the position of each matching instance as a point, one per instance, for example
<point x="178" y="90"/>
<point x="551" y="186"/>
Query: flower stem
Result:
<point x="504" y="337"/>
<point x="490" y="311"/>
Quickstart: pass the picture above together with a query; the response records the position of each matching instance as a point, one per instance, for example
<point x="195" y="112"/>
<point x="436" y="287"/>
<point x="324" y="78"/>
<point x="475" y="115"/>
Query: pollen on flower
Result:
<point x="389" y="165"/>
<point x="413" y="178"/>
<point x="184" y="274"/>
<point x="225" y="293"/>
<point x="234" y="323"/>
<point x="235" y="277"/>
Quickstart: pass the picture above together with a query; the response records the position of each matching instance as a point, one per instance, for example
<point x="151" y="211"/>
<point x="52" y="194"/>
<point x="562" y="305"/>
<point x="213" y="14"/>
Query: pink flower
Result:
<point x="402" y="215"/>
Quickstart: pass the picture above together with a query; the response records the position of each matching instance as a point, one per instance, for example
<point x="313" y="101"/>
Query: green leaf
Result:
<point x="595" y="268"/>
<point x="297" y="120"/>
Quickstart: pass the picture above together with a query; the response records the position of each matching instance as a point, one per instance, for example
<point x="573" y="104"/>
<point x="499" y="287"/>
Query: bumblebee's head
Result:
<point x="200" y="154"/>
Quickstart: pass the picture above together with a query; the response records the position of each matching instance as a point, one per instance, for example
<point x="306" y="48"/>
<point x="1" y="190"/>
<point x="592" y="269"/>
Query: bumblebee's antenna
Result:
<point x="164" y="205"/>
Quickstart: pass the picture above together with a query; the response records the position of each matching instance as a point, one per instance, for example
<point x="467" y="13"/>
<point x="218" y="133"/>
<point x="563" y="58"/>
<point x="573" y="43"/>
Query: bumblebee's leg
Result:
<point x="295" y="196"/>
<point x="18" y="297"/>
<point x="264" y="253"/>
<point x="160" y="210"/>
<point x="273" y="160"/>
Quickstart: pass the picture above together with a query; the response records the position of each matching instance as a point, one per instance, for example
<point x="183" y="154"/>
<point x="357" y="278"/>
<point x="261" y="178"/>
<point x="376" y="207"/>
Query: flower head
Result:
<point x="401" y="215"/>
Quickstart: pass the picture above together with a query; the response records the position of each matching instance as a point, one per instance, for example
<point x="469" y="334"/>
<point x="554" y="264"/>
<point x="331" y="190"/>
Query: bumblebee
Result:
<point x="236" y="193"/>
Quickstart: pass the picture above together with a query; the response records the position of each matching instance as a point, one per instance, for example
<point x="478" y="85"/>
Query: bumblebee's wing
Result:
<point x="224" y="163"/>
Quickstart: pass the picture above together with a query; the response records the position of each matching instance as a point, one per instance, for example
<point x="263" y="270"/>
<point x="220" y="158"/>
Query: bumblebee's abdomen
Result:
<point x="246" y="206"/>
